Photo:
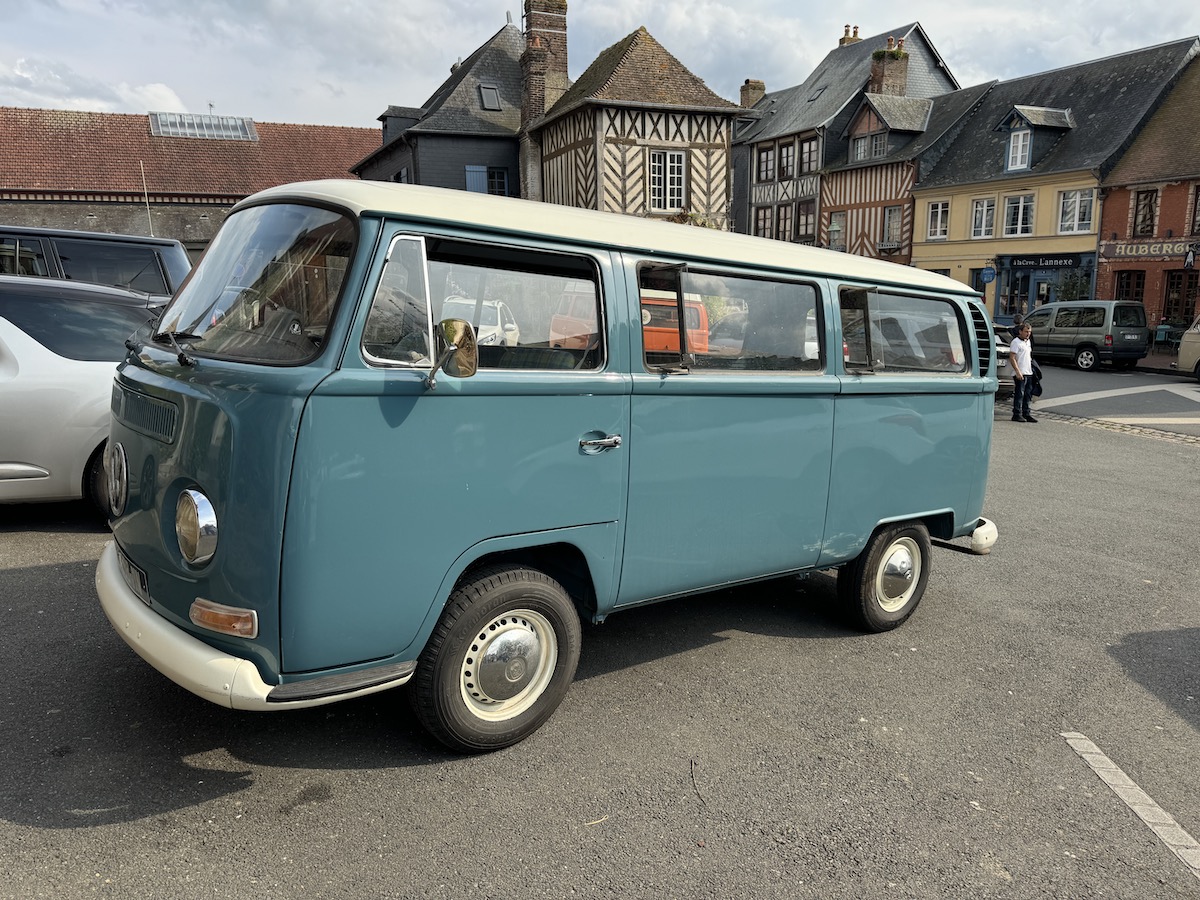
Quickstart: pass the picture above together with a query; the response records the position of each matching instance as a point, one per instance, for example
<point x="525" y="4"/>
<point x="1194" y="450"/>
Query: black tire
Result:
<point x="882" y="587"/>
<point x="499" y="661"/>
<point x="1196" y="372"/>
<point x="95" y="482"/>
<point x="1086" y="359"/>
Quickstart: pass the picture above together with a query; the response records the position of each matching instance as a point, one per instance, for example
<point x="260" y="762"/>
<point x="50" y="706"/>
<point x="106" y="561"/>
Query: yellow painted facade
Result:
<point x="1018" y="258"/>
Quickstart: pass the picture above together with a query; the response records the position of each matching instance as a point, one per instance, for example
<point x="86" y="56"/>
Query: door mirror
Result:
<point x="457" y="351"/>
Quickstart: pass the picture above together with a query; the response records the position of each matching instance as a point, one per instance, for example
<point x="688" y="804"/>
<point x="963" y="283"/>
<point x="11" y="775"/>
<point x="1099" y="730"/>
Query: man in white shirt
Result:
<point x="1020" y="357"/>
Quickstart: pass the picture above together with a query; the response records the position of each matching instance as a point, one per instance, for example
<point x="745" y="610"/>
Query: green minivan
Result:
<point x="1088" y="332"/>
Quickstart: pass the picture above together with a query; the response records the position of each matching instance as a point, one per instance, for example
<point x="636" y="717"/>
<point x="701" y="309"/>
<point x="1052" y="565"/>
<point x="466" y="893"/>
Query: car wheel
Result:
<point x="1196" y="372"/>
<point x="1085" y="359"/>
<point x="95" y="482"/>
<point x="882" y="587"/>
<point x="499" y="661"/>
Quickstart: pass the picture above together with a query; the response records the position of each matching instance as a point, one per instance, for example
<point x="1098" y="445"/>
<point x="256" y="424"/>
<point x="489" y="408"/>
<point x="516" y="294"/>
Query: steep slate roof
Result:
<point x="837" y="80"/>
<point x="55" y="150"/>
<point x="638" y="71"/>
<point x="1168" y="147"/>
<point x="1108" y="99"/>
<point x="455" y="107"/>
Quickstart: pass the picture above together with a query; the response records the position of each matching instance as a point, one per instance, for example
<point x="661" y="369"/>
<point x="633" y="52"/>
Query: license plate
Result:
<point x="1132" y="337"/>
<point x="134" y="577"/>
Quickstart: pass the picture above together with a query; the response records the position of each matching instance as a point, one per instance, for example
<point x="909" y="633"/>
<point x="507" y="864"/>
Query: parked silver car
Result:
<point x="60" y="342"/>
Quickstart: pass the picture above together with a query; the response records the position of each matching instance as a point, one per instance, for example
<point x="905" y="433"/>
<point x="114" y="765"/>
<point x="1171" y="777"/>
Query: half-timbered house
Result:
<point x="639" y="134"/>
<point x="866" y="199"/>
<point x="780" y="152"/>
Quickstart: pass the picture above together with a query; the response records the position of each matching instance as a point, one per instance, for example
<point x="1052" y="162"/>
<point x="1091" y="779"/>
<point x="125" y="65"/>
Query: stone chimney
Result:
<point x="847" y="38"/>
<point x="889" y="70"/>
<point x="753" y="90"/>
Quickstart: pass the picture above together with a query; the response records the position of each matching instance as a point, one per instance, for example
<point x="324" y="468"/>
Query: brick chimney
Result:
<point x="889" y="70"/>
<point x="847" y="38"/>
<point x="543" y="81"/>
<point x="544" y="62"/>
<point x="753" y="90"/>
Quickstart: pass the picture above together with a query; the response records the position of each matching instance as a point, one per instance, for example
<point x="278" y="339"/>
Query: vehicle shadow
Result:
<point x="1164" y="663"/>
<point x="96" y="737"/>
<point x="75" y="517"/>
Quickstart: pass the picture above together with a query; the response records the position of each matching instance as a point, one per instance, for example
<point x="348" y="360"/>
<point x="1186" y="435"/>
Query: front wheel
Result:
<point x="499" y="661"/>
<point x="1085" y="359"/>
<point x="95" y="481"/>
<point x="881" y="588"/>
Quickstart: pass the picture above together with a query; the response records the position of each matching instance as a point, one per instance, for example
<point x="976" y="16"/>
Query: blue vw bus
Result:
<point x="322" y="487"/>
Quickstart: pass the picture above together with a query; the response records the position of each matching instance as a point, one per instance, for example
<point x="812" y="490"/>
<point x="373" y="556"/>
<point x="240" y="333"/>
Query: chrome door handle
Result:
<point x="609" y="442"/>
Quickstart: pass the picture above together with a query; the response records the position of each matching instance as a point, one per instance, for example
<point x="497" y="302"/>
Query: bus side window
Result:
<point x="901" y="333"/>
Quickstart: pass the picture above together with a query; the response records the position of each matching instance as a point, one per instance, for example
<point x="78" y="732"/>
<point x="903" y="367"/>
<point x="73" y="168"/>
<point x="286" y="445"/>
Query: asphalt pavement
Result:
<point x="741" y="744"/>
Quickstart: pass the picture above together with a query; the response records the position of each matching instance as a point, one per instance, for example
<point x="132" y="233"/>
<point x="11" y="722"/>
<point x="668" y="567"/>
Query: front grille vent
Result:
<point x="148" y="415"/>
<point x="983" y="340"/>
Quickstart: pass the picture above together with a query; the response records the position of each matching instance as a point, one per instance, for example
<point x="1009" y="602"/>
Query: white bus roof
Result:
<point x="593" y="228"/>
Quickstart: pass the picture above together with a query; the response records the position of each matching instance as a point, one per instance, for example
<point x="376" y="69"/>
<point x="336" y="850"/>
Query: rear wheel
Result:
<point x="882" y="587"/>
<point x="499" y="662"/>
<point x="1086" y="359"/>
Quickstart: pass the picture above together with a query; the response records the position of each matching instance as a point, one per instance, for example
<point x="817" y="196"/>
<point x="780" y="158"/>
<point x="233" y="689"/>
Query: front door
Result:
<point x="399" y="482"/>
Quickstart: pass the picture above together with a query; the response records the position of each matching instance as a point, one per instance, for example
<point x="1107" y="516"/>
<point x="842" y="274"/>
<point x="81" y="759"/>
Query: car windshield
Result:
<point x="266" y="288"/>
<point x="462" y="308"/>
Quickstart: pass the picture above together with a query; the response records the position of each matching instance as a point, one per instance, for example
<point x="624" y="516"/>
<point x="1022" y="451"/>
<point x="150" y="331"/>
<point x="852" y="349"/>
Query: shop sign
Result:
<point x="1061" y="261"/>
<point x="1145" y="249"/>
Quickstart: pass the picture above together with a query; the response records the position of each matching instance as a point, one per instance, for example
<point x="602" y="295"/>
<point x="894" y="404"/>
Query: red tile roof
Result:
<point x="50" y="150"/>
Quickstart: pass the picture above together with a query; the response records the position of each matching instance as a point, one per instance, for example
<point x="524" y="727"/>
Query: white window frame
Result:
<point x="1075" y="211"/>
<point x="893" y="223"/>
<point x="1024" y="206"/>
<point x="860" y="149"/>
<point x="983" y="217"/>
<point x="1019" y="144"/>
<point x="939" y="220"/>
<point x="667" y="183"/>
<point x="879" y="145"/>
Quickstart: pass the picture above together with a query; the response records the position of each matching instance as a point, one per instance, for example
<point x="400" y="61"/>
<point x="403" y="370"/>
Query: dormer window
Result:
<point x="869" y="146"/>
<point x="1018" y="149"/>
<point x="489" y="96"/>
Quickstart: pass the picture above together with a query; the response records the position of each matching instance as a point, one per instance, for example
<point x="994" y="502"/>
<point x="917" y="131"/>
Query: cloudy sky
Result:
<point x="344" y="62"/>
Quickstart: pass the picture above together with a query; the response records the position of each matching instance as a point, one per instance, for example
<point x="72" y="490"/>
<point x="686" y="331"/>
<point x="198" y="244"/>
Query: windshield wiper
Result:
<point x="132" y="343"/>
<point x="172" y="336"/>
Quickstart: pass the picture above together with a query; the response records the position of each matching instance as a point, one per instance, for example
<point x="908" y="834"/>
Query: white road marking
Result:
<point x="1177" y="420"/>
<point x="1157" y="819"/>
<point x="1188" y="392"/>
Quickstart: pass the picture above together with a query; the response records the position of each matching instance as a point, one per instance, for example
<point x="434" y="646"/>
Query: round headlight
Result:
<point x="195" y="527"/>
<point x="116" y="474"/>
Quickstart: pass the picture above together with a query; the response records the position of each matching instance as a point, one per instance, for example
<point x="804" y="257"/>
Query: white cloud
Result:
<point x="345" y="62"/>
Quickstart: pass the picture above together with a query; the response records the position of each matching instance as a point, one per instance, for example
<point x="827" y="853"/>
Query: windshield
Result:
<point x="461" y="308"/>
<point x="267" y="286"/>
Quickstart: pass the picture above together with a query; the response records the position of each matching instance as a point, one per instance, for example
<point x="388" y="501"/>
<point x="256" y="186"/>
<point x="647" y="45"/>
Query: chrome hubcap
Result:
<point x="509" y="664"/>
<point x="898" y="575"/>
